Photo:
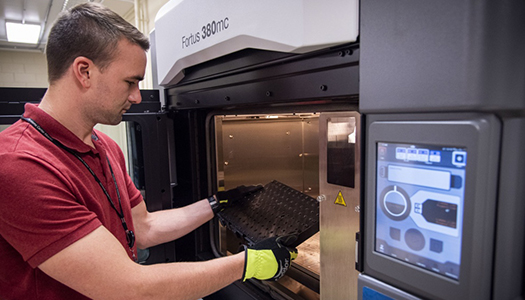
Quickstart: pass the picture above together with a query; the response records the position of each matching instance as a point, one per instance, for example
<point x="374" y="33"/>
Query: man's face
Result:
<point x="116" y="87"/>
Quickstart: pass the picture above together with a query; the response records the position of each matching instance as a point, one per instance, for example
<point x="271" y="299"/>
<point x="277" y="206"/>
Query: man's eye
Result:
<point x="130" y="83"/>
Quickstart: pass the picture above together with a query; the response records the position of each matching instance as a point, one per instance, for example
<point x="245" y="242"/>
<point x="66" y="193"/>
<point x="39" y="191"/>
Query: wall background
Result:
<point x="29" y="69"/>
<point x="22" y="69"/>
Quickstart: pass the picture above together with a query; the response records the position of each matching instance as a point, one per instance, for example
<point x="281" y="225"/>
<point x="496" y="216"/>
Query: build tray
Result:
<point x="276" y="210"/>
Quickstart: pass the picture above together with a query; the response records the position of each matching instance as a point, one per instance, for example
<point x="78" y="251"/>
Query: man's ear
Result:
<point x="82" y="70"/>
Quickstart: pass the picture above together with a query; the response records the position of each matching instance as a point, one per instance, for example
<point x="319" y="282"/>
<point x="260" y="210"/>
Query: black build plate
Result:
<point x="276" y="210"/>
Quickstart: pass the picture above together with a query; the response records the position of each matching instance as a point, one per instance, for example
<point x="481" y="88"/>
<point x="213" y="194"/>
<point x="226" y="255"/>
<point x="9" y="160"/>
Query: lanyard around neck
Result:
<point x="130" y="236"/>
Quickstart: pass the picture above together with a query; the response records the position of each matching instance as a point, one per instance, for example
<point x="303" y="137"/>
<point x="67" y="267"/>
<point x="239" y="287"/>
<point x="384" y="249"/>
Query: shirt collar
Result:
<point x="57" y="130"/>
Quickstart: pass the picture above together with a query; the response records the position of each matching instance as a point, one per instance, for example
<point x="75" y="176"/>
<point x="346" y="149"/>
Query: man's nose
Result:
<point x="135" y="97"/>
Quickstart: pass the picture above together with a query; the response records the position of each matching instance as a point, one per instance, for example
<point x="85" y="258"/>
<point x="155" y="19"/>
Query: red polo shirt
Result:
<point x="49" y="200"/>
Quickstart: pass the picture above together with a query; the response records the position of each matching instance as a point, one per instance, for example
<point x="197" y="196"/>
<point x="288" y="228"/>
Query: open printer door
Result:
<point x="339" y="190"/>
<point x="148" y="135"/>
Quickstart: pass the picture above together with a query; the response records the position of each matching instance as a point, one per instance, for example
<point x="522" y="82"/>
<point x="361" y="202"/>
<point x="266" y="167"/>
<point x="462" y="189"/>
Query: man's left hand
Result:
<point x="227" y="198"/>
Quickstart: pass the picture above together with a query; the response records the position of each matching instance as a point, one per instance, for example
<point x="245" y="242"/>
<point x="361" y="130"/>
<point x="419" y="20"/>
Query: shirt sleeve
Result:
<point x="135" y="195"/>
<point x="39" y="215"/>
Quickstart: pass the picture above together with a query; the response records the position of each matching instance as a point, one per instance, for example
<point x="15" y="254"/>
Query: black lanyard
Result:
<point x="130" y="236"/>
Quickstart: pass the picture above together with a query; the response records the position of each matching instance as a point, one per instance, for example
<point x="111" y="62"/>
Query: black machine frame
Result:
<point x="251" y="81"/>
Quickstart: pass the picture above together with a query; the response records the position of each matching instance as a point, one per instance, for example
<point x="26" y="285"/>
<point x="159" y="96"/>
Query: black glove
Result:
<point x="269" y="258"/>
<point x="226" y="198"/>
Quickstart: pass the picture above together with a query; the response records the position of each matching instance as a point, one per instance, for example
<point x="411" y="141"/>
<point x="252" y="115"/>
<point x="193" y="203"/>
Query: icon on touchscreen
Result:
<point x="459" y="158"/>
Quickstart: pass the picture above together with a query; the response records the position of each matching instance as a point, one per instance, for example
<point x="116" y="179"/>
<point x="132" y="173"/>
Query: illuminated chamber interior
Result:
<point x="257" y="149"/>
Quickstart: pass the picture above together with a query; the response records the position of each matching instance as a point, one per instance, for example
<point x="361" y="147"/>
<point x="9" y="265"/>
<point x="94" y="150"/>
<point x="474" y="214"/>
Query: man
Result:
<point x="70" y="217"/>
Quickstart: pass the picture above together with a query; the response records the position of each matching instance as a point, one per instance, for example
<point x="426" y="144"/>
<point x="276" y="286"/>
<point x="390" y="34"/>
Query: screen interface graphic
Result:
<point x="419" y="205"/>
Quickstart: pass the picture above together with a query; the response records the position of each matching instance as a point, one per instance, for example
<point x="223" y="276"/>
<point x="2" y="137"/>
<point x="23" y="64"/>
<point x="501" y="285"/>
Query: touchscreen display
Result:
<point x="419" y="205"/>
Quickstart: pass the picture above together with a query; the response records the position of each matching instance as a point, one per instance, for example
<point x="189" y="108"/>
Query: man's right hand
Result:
<point x="269" y="258"/>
